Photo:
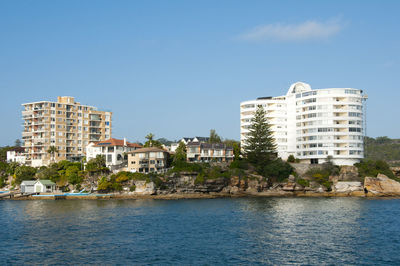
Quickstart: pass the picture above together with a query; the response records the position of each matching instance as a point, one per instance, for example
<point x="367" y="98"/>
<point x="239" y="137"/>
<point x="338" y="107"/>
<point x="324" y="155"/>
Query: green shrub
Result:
<point x="116" y="187"/>
<point x="122" y="177"/>
<point x="239" y="164"/>
<point x="321" y="175"/>
<point x="137" y="176"/>
<point x="132" y="188"/>
<point x="278" y="170"/>
<point x="104" y="185"/>
<point x="303" y="182"/>
<point x="291" y="159"/>
<point x="157" y="181"/>
<point x="373" y="168"/>
<point x="200" y="179"/>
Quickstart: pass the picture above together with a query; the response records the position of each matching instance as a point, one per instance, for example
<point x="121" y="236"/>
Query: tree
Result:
<point x="214" y="138"/>
<point x="3" y="153"/>
<point x="49" y="173"/>
<point x="17" y="143"/>
<point x="95" y="167"/>
<point x="149" y="138"/>
<point x="24" y="172"/>
<point x="236" y="151"/>
<point x="151" y="142"/>
<point x="3" y="173"/>
<point x="165" y="141"/>
<point x="73" y="175"/>
<point x="52" y="151"/>
<point x="291" y="159"/>
<point x="180" y="153"/>
<point x="259" y="145"/>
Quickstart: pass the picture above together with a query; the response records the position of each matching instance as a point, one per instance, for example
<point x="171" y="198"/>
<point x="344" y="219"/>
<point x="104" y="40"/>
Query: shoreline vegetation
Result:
<point x="256" y="171"/>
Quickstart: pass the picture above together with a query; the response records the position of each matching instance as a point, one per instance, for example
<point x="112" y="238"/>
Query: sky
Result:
<point x="180" y="68"/>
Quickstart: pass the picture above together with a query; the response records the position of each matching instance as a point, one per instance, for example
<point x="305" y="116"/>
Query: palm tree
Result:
<point x="150" y="137"/>
<point x="52" y="151"/>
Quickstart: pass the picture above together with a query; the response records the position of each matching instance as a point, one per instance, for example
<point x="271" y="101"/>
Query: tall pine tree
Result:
<point x="259" y="146"/>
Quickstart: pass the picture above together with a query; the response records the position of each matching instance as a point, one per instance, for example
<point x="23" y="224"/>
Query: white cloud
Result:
<point x="309" y="30"/>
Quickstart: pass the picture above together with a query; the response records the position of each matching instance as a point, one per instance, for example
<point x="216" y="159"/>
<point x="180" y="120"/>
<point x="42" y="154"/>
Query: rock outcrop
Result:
<point x="381" y="185"/>
<point x="348" y="173"/>
<point x="347" y="187"/>
<point x="144" y="188"/>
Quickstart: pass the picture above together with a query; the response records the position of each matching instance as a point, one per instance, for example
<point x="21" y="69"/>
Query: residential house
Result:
<point x="174" y="146"/>
<point x="148" y="160"/>
<point x="16" y="155"/>
<point x="209" y="152"/>
<point x="28" y="186"/>
<point x="43" y="186"/>
<point x="115" y="151"/>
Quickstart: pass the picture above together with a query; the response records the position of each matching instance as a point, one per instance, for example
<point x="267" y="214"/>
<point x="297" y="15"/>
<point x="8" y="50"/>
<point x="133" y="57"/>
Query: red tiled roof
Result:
<point x="116" y="142"/>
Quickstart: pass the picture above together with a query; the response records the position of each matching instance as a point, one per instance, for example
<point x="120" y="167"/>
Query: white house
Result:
<point x="16" y="155"/>
<point x="312" y="124"/>
<point x="114" y="150"/>
<point x="30" y="186"/>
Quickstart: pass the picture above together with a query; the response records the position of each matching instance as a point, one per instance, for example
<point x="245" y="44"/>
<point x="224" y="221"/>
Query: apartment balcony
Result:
<point x="94" y="138"/>
<point x="27" y="113"/>
<point x="95" y="117"/>
<point x="26" y="134"/>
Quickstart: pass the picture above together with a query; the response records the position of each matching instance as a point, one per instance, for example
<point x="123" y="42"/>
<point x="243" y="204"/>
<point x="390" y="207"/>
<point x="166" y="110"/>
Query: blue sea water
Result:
<point x="244" y="231"/>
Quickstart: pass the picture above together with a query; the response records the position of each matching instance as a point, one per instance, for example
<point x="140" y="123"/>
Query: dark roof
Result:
<point x="17" y="149"/>
<point x="203" y="139"/>
<point x="200" y="139"/>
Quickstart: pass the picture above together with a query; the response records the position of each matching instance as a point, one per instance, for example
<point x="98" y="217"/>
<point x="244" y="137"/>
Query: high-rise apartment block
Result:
<point x="65" y="124"/>
<point x="313" y="124"/>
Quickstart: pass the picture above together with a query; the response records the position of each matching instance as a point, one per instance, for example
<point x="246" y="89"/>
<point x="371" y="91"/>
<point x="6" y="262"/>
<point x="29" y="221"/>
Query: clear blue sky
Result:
<point x="180" y="68"/>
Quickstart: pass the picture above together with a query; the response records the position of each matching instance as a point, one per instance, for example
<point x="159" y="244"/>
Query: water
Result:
<point x="203" y="231"/>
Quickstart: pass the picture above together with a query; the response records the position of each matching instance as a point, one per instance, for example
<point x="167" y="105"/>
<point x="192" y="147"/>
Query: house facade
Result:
<point x="148" y="160"/>
<point x="209" y="152"/>
<point x="16" y="155"/>
<point x="115" y="151"/>
<point x="312" y="124"/>
<point x="41" y="186"/>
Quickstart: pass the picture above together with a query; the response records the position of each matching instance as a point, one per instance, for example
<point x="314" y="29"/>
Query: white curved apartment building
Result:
<point x="313" y="124"/>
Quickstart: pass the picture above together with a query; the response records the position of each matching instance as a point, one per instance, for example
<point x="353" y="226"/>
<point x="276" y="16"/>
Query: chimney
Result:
<point x="124" y="141"/>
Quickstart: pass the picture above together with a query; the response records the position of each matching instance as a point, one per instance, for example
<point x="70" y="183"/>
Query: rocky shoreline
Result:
<point x="186" y="185"/>
<point x="178" y="196"/>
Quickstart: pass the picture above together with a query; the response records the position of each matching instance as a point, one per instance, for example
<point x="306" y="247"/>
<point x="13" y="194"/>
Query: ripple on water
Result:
<point x="202" y="231"/>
